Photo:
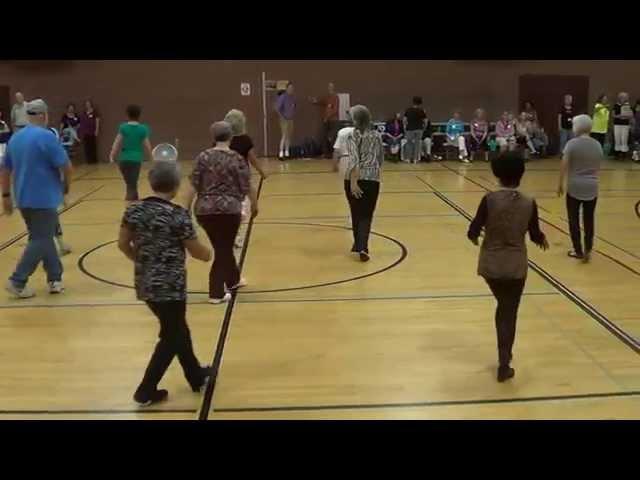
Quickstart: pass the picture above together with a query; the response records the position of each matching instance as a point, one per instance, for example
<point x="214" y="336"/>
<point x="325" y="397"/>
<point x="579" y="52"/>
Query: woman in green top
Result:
<point x="600" y="119"/>
<point x="131" y="142"/>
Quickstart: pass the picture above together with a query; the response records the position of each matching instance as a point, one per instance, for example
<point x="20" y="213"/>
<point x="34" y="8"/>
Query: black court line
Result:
<point x="20" y="236"/>
<point x="586" y="307"/>
<point x="443" y="403"/>
<point x="23" y="305"/>
<point x="556" y="227"/>
<point x="403" y="256"/>
<point x="95" y="412"/>
<point x="207" y="399"/>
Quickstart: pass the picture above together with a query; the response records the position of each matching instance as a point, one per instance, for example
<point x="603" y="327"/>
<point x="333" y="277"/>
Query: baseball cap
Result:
<point x="36" y="107"/>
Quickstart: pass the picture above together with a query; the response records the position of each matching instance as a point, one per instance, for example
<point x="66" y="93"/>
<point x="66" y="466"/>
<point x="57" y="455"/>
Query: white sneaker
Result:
<point x="464" y="159"/>
<point x="21" y="293"/>
<point x="218" y="301"/>
<point x="55" y="287"/>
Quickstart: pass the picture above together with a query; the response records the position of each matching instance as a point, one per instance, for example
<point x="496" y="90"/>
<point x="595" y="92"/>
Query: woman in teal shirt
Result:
<point x="131" y="142"/>
<point x="455" y="136"/>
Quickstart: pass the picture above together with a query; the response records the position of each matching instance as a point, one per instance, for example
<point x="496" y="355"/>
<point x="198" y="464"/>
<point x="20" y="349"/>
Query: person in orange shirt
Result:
<point x="330" y="117"/>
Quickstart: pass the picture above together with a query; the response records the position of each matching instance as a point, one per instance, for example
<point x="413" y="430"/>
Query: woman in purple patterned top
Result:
<point x="219" y="182"/>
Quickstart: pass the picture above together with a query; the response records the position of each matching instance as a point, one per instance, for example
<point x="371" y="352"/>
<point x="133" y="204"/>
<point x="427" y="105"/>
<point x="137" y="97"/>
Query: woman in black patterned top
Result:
<point x="362" y="177"/>
<point x="154" y="235"/>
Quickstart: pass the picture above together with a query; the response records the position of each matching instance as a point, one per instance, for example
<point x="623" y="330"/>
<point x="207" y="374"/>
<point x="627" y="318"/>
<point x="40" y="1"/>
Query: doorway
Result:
<point x="546" y="92"/>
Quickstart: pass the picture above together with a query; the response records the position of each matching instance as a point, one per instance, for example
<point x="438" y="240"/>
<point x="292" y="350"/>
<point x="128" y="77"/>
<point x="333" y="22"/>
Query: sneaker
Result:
<point x="207" y="373"/>
<point x="22" y="293"/>
<point x="505" y="373"/>
<point x="56" y="287"/>
<point x="364" y="256"/>
<point x="586" y="258"/>
<point x="155" y="397"/>
<point x="574" y="254"/>
<point x="636" y="156"/>
<point x="464" y="160"/>
<point x="241" y="284"/>
<point x="218" y="301"/>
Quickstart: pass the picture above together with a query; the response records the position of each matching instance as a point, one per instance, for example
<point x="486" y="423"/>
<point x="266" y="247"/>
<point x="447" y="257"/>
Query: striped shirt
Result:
<point x="367" y="152"/>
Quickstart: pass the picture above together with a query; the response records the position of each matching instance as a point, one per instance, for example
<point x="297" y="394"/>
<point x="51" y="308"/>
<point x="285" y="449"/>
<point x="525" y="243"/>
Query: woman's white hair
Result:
<point x="361" y="117"/>
<point x="237" y="120"/>
<point x="582" y="124"/>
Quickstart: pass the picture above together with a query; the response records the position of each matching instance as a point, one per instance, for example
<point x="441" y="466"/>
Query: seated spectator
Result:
<point x="427" y="142"/>
<point x="635" y="132"/>
<point x="524" y="130"/>
<point x="455" y="136"/>
<point x="479" y="132"/>
<point x="530" y="110"/>
<point x="540" y="139"/>
<point x="506" y="132"/>
<point x="393" y="134"/>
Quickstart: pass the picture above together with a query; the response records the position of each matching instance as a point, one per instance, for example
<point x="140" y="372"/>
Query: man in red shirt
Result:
<point x="330" y="119"/>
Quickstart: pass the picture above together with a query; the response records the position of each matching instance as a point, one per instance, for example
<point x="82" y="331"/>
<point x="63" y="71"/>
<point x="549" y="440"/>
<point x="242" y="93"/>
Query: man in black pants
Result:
<point x="154" y="235"/>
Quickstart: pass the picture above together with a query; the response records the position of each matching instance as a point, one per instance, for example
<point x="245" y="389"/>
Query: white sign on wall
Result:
<point x="245" y="89"/>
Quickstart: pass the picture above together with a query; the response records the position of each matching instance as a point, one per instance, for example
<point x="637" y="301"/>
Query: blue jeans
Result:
<point x="41" y="225"/>
<point x="413" y="147"/>
<point x="565" y="136"/>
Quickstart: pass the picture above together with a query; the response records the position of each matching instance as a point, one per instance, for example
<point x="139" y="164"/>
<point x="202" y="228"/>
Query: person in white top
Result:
<point x="19" y="117"/>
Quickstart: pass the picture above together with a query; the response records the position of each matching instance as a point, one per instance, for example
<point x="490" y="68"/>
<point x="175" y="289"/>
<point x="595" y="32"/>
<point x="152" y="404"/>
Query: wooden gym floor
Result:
<point x="318" y="335"/>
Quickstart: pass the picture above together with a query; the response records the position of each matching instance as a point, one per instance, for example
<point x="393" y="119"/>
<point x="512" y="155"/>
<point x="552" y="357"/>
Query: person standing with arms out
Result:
<point x="506" y="216"/>
<point x="330" y="118"/>
<point x="35" y="158"/>
<point x="601" y="115"/>
<point x="154" y="234"/>
<point x="89" y="131"/>
<point x="565" y="119"/>
<point x="580" y="168"/>
<point x="19" y="117"/>
<point x="622" y="115"/>
<point x="362" y="177"/>
<point x="414" y="123"/>
<point x="219" y="183"/>
<point x="130" y="145"/>
<point x="286" y="108"/>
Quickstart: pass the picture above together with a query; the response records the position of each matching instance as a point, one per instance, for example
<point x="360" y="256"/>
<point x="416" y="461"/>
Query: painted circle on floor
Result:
<point x="303" y="254"/>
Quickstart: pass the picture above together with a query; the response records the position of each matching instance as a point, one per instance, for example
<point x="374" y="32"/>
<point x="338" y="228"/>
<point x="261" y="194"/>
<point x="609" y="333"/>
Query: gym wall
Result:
<point x="180" y="99"/>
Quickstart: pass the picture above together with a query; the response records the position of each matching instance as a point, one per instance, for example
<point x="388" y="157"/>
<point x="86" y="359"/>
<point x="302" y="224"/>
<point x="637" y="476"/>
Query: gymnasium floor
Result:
<point x="318" y="335"/>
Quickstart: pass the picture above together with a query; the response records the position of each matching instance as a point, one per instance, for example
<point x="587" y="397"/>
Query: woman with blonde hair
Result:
<point x="243" y="144"/>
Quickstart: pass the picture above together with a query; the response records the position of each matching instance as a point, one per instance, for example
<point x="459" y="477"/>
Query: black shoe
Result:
<point x="364" y="256"/>
<point x="155" y="397"/>
<point x="574" y="254"/>
<point x="505" y="373"/>
<point x="207" y="373"/>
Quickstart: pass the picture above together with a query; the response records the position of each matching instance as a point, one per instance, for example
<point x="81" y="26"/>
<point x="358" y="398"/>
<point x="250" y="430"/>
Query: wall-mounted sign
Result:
<point x="245" y="89"/>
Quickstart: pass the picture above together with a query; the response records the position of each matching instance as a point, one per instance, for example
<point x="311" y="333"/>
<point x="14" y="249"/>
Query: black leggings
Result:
<point x="175" y="339"/>
<point x="131" y="173"/>
<point x="600" y="137"/>
<point x="90" y="143"/>
<point x="508" y="293"/>
<point x="362" y="212"/>
<point x="222" y="231"/>
<point x="588" y="221"/>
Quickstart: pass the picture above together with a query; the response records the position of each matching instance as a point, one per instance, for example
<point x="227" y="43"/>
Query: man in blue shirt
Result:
<point x="34" y="160"/>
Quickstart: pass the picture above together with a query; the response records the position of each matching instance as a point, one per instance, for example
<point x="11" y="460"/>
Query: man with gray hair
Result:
<point x="161" y="231"/>
<point x="34" y="159"/>
<point x="581" y="164"/>
<point x="19" y="117"/>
